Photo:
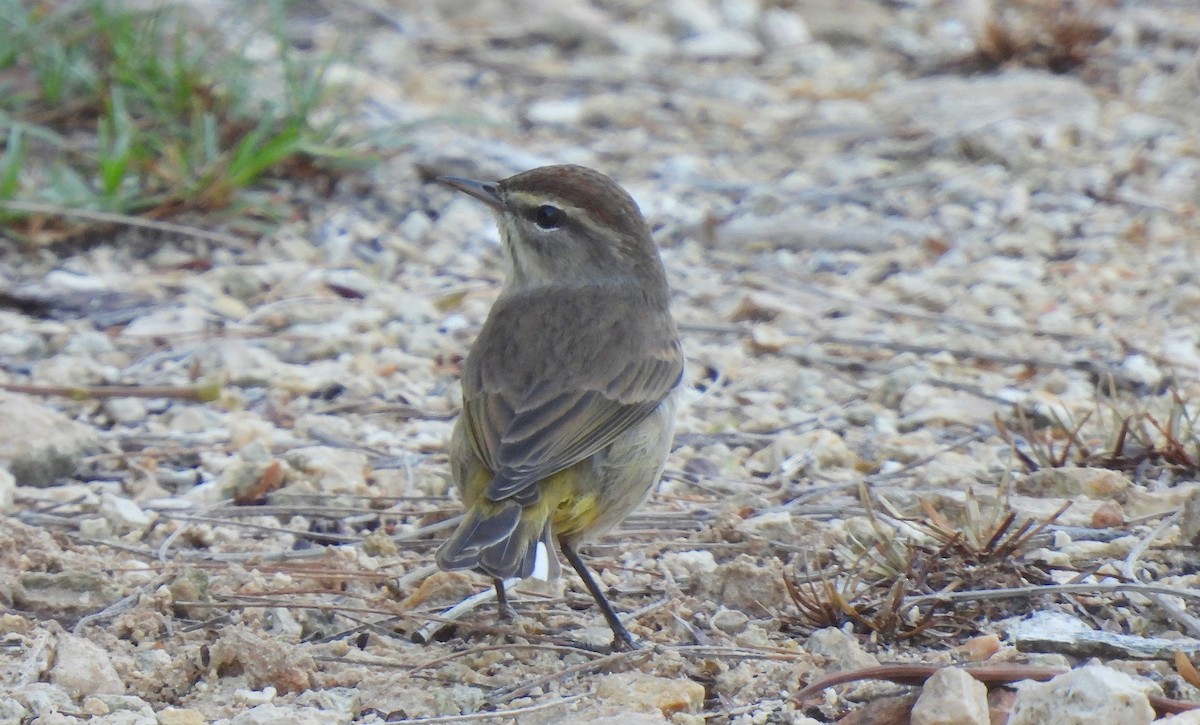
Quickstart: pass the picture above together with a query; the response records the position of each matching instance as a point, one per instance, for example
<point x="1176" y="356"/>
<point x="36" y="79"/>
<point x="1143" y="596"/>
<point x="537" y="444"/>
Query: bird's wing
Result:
<point x="524" y="441"/>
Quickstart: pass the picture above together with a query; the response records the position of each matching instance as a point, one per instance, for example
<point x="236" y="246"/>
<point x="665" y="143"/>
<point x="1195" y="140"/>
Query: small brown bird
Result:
<point x="569" y="391"/>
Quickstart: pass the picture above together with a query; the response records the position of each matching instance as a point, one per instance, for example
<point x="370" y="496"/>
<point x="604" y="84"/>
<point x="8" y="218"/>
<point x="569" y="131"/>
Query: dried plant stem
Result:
<point x="913" y="674"/>
<point x="430" y="629"/>
<point x="202" y="393"/>
<point x="1128" y="567"/>
<point x="1020" y="592"/>
<point x="104" y="217"/>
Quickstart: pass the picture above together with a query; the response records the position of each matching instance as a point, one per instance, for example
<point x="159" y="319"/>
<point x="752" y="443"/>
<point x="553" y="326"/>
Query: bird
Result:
<point x="570" y="390"/>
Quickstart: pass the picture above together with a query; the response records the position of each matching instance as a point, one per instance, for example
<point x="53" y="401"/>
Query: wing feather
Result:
<point x="527" y="424"/>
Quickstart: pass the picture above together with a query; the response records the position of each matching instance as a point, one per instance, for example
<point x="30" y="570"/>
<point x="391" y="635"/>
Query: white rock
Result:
<point x="774" y="526"/>
<point x="351" y="279"/>
<point x="722" y="44"/>
<point x="750" y="584"/>
<point x="124" y="709"/>
<point x="228" y="307"/>
<point x="67" y="281"/>
<point x="22" y="344"/>
<point x="843" y="651"/>
<point x="951" y="697"/>
<point x="741" y="13"/>
<point x="556" y="111"/>
<point x="570" y="24"/>
<point x="1084" y="696"/>
<point x="126" y="410"/>
<point x="335" y="470"/>
<point x="11" y="710"/>
<point x="1049" y="631"/>
<point x="8" y="490"/>
<point x="639" y="42"/>
<point x="73" y="370"/>
<point x="83" y="668"/>
<point x="1182" y="351"/>
<point x="693" y="17"/>
<point x="123" y="514"/>
<point x="1015" y="206"/>
<point x="178" y="716"/>
<point x="30" y="430"/>
<point x="169" y="322"/>
<point x="282" y="622"/>
<point x="689" y="563"/>
<point x="43" y="697"/>
<point x="95" y="527"/>
<point x="730" y="621"/>
<point x="925" y="404"/>
<point x="255" y="697"/>
<point x="784" y="28"/>
<point x="1141" y="369"/>
<point x="827" y="449"/>
<point x="648" y="693"/>
<point x="245" y="428"/>
<point x="193" y="419"/>
<point x="415" y="227"/>
<point x="1014" y="273"/>
<point x="1142" y="127"/>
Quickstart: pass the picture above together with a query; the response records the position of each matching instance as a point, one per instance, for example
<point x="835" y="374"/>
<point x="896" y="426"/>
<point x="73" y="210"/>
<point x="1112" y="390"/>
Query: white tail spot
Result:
<point x="541" y="562"/>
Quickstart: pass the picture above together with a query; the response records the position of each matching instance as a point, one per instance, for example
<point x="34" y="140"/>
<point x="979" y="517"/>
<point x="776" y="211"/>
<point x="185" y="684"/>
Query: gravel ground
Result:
<point x="927" y="257"/>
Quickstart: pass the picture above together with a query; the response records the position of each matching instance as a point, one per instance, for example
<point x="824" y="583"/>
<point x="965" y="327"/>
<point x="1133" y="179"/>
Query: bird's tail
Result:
<point x="503" y="540"/>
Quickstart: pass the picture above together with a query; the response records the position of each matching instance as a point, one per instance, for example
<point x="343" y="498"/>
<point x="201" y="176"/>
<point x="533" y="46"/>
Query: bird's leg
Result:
<point x="622" y="640"/>
<point x="506" y="612"/>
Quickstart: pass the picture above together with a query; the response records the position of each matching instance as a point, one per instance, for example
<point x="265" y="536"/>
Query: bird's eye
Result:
<point x="549" y="217"/>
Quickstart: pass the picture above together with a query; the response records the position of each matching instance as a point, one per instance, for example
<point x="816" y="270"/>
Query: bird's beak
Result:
<point x="487" y="192"/>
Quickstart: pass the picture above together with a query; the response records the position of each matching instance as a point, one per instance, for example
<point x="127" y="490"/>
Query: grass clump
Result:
<point x="109" y="108"/>
<point x="1148" y="436"/>
<point x="880" y="581"/>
